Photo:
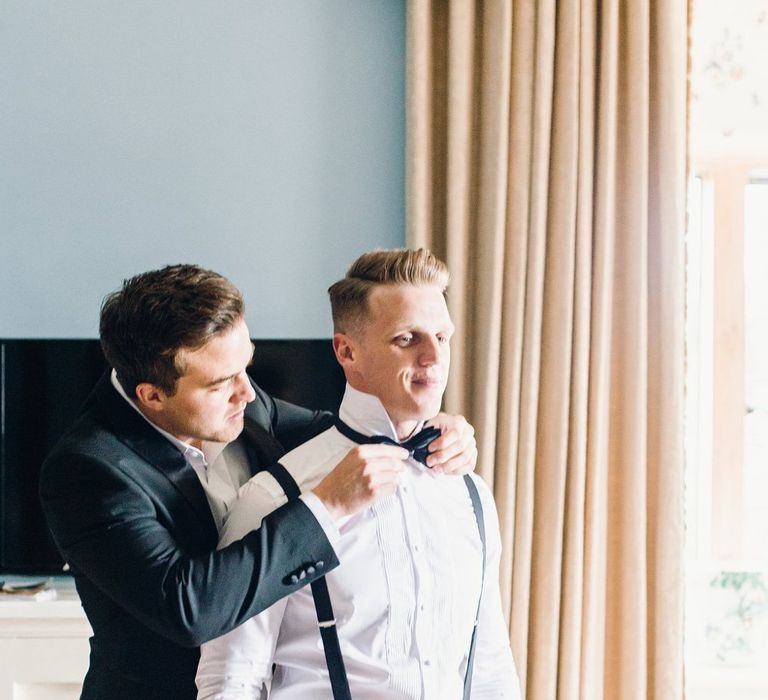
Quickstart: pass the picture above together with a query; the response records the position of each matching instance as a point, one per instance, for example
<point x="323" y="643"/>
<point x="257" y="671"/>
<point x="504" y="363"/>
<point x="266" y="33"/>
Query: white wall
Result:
<point x="263" y="139"/>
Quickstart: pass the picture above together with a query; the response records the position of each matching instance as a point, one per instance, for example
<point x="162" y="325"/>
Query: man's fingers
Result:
<point x="376" y="466"/>
<point x="375" y="451"/>
<point x="442" y="453"/>
<point x="453" y="429"/>
<point x="450" y="445"/>
<point x="461" y="464"/>
<point x="451" y="424"/>
<point x="384" y="478"/>
<point x="445" y="440"/>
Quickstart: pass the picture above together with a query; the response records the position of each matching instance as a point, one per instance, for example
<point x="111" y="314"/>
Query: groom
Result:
<point x="416" y="610"/>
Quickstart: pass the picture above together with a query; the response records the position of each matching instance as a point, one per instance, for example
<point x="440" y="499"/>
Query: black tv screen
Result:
<point x="43" y="384"/>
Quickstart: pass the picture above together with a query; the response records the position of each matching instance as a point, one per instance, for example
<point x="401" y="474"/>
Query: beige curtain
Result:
<point x="546" y="165"/>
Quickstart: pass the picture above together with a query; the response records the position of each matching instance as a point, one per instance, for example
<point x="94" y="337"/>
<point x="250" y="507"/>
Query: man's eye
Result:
<point x="404" y="340"/>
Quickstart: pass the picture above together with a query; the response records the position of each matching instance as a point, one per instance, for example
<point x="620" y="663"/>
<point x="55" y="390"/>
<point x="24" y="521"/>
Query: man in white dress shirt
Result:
<point x="411" y="581"/>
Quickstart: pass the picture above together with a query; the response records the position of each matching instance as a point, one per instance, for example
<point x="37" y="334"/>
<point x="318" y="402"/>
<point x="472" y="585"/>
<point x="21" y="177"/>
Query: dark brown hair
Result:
<point x="155" y="314"/>
<point x="349" y="296"/>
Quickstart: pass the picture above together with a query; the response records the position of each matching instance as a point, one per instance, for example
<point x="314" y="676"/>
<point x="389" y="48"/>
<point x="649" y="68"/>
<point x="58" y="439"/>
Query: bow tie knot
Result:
<point x="417" y="445"/>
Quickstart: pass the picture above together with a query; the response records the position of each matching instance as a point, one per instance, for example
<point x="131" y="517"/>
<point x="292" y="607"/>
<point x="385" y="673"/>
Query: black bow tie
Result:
<point x="416" y="444"/>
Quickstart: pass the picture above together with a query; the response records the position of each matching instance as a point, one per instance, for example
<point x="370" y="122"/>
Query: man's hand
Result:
<point x="367" y="473"/>
<point x="455" y="451"/>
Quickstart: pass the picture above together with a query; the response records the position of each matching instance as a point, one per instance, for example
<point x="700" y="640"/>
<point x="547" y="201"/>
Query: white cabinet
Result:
<point x="43" y="647"/>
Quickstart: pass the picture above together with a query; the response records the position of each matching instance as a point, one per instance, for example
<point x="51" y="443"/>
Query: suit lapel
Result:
<point x="261" y="446"/>
<point x="135" y="432"/>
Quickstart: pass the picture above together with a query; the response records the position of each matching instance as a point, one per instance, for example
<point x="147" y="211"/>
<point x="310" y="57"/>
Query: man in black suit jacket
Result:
<point x="130" y="509"/>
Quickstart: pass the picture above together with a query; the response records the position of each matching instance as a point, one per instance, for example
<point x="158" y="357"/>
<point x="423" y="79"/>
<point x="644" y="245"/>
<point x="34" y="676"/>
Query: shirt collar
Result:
<point x="366" y="414"/>
<point x="206" y="456"/>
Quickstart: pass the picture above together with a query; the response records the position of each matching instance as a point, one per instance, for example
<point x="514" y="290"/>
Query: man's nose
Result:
<point x="243" y="388"/>
<point x="430" y="351"/>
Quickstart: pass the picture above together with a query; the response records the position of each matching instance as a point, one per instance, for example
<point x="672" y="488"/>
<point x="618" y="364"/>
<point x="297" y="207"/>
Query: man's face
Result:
<point x="401" y="353"/>
<point x="212" y="392"/>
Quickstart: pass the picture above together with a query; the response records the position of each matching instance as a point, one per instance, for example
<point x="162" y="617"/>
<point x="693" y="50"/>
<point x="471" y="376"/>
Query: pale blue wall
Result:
<point x="262" y="139"/>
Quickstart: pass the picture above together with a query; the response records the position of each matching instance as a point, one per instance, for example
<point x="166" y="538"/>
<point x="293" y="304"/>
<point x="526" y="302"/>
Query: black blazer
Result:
<point x="131" y="518"/>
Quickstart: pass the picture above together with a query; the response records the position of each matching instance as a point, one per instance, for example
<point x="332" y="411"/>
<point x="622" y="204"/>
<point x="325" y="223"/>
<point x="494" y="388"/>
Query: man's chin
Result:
<point x="424" y="412"/>
<point x="228" y="434"/>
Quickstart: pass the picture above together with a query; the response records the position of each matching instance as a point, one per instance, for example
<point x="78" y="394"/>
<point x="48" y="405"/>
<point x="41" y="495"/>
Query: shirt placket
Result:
<point x="424" y="629"/>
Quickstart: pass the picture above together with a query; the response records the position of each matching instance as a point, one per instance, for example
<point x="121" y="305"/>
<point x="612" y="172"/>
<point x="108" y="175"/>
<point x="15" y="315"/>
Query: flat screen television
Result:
<point x="43" y="384"/>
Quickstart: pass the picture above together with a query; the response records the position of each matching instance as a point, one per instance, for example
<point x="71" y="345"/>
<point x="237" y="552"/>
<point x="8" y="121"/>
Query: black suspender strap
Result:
<point x="330" y="636"/>
<point x="283" y="477"/>
<point x="477" y="506"/>
<point x="325" y="618"/>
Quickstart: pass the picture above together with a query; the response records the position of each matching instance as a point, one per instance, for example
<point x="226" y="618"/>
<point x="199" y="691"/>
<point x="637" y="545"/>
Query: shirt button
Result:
<point x="427" y="662"/>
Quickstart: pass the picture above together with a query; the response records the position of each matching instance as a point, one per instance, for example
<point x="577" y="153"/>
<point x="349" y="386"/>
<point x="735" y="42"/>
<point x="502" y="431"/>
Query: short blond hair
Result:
<point x="349" y="296"/>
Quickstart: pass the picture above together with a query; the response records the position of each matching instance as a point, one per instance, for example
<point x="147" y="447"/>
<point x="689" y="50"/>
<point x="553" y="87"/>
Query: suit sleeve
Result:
<point x="111" y="530"/>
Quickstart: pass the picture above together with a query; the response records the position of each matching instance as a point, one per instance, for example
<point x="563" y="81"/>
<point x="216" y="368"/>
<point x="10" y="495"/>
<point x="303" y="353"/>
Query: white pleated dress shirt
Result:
<point x="404" y="596"/>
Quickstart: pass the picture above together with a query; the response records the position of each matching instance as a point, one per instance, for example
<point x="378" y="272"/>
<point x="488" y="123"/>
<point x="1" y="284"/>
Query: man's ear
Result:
<point x="344" y="347"/>
<point x="150" y="396"/>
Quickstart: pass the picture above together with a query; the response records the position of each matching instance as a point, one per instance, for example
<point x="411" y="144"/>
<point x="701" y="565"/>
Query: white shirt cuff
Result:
<point x="322" y="516"/>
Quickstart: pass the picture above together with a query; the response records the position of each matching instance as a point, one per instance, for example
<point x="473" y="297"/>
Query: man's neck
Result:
<point x="197" y="444"/>
<point x="404" y="429"/>
<point x="367" y="413"/>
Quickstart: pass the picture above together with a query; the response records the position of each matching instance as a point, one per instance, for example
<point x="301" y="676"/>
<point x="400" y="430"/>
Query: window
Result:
<point x="756" y="369"/>
<point x="727" y="355"/>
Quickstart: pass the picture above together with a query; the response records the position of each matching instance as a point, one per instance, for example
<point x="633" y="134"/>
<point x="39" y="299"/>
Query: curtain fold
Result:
<point x="546" y="165"/>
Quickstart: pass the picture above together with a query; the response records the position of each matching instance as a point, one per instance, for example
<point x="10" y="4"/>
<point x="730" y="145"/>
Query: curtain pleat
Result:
<point x="546" y="165"/>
